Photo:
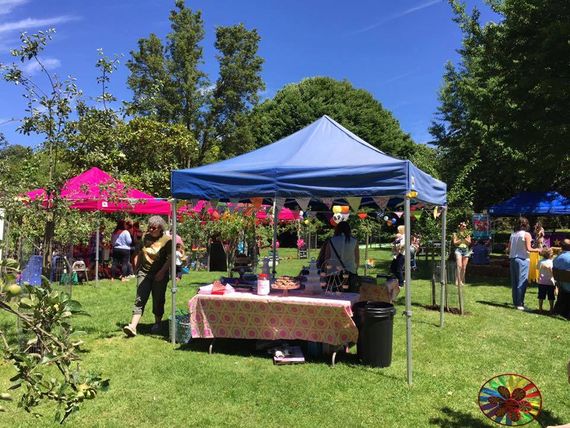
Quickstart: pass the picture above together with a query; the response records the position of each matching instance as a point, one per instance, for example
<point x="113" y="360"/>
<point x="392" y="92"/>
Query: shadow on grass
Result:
<point x="547" y="418"/>
<point x="486" y="281"/>
<point x="455" y="419"/>
<point x="498" y="305"/>
<point x="258" y="349"/>
<point x="449" y="311"/>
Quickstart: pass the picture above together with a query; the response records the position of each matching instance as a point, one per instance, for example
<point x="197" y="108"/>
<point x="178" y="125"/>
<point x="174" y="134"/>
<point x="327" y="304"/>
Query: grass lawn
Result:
<point x="156" y="384"/>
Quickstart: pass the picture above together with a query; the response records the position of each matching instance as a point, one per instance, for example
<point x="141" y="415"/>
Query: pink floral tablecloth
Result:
<point x="326" y="319"/>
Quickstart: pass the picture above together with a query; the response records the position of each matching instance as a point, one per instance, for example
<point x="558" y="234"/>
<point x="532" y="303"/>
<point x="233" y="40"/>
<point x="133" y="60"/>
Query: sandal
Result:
<point x="129" y="331"/>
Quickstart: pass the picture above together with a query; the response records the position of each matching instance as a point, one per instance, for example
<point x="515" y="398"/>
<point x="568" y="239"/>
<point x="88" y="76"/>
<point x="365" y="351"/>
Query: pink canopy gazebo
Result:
<point x="95" y="190"/>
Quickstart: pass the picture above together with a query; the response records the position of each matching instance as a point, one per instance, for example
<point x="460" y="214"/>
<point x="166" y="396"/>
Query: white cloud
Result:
<point x="397" y="16"/>
<point x="28" y="23"/>
<point x="34" y="67"/>
<point x="6" y="6"/>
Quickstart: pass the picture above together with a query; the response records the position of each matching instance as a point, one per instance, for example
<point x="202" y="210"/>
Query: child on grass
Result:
<point x="180" y="258"/>
<point x="545" y="280"/>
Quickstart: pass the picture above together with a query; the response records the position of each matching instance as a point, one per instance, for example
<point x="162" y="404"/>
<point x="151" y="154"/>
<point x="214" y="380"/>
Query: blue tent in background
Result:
<point x="323" y="159"/>
<point x="532" y="204"/>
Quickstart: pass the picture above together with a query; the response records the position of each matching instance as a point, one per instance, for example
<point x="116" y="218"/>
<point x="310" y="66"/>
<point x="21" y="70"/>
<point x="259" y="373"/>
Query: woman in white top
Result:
<point x="346" y="247"/>
<point x="518" y="249"/>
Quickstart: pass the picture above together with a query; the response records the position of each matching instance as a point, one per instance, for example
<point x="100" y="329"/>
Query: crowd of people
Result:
<point x="521" y="244"/>
<point x="146" y="256"/>
<point x="519" y="248"/>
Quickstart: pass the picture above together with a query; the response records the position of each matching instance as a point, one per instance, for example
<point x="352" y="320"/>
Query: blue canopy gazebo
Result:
<point x="532" y="204"/>
<point x="322" y="160"/>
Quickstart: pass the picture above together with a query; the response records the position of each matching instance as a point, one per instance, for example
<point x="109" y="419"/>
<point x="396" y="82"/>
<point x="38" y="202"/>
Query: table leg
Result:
<point x="211" y="347"/>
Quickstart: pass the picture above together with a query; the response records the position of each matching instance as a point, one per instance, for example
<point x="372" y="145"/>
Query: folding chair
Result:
<point x="335" y="278"/>
<point x="78" y="267"/>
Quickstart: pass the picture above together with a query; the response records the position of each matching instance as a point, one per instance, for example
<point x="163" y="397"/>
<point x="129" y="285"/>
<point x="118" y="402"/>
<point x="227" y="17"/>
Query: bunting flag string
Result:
<point x="303" y="203"/>
<point x="354" y="202"/>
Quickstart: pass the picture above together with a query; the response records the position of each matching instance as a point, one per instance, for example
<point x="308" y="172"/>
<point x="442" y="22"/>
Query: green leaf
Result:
<point x="15" y="385"/>
<point x="26" y="303"/>
<point x="73" y="306"/>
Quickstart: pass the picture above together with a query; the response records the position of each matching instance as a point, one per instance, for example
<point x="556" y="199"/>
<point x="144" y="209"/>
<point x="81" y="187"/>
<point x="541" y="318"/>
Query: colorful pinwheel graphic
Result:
<point x="510" y="399"/>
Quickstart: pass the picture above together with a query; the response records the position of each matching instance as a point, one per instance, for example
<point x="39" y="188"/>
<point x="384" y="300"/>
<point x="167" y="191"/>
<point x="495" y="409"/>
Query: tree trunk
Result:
<point x="48" y="240"/>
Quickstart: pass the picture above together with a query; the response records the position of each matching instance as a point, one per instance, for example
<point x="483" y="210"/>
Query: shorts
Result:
<point x="463" y="252"/>
<point x="544" y="290"/>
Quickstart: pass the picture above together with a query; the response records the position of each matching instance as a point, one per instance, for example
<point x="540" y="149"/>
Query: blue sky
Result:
<point x="394" y="49"/>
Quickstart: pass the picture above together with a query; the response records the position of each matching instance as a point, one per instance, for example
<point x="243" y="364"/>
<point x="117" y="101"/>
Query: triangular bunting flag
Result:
<point x="232" y="206"/>
<point x="214" y="203"/>
<point x="354" y="202"/>
<point x="328" y="202"/>
<point x="436" y="212"/>
<point x="399" y="213"/>
<point x="193" y="202"/>
<point x="303" y="203"/>
<point x="418" y="214"/>
<point x="381" y="201"/>
<point x="181" y="204"/>
<point x="256" y="202"/>
<point x="279" y="203"/>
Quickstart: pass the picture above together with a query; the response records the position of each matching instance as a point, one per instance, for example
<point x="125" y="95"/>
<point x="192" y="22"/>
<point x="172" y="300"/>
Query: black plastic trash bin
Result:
<point x="375" y="333"/>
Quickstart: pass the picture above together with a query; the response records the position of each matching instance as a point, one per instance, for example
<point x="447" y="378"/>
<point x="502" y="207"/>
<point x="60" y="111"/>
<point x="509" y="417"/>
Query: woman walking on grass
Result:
<point x="152" y="263"/>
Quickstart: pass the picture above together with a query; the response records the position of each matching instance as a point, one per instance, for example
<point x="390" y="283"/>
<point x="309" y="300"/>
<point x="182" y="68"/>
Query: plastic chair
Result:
<point x="79" y="266"/>
<point x="32" y="273"/>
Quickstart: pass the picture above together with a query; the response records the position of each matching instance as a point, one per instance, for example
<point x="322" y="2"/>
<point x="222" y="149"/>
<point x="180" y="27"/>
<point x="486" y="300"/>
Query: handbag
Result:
<point x="352" y="278"/>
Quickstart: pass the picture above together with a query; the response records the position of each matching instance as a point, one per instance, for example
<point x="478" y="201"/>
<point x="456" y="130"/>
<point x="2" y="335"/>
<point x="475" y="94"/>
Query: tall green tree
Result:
<point x="299" y="104"/>
<point x="168" y="84"/>
<point x="503" y="106"/>
<point x="236" y="91"/>
<point x="150" y="150"/>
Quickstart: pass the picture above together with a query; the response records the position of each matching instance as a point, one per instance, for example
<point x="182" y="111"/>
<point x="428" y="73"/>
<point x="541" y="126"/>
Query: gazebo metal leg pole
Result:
<point x="443" y="273"/>
<point x="408" y="279"/>
<point x="275" y="223"/>
<point x="97" y="243"/>
<point x="173" y="274"/>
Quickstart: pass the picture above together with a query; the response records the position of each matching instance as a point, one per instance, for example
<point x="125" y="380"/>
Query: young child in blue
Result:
<point x="546" y="285"/>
